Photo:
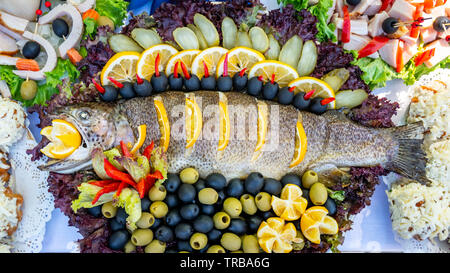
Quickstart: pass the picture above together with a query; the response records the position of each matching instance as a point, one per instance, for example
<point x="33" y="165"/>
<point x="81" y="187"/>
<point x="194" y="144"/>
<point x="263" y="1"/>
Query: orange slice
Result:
<point x="145" y="67"/>
<point x="224" y="133"/>
<point x="291" y="205"/>
<point x="322" y="89"/>
<point x="210" y="57"/>
<point x="194" y="122"/>
<point x="64" y="137"/>
<point x="121" y="67"/>
<point x="274" y="235"/>
<point x="185" y="56"/>
<point x="283" y="73"/>
<point x="301" y="144"/>
<point x="239" y="58"/>
<point x="163" y="122"/>
<point x="315" y="222"/>
<point x="142" y="129"/>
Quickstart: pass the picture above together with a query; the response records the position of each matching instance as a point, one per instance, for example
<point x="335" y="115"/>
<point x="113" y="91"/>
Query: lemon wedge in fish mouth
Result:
<point x="64" y="139"/>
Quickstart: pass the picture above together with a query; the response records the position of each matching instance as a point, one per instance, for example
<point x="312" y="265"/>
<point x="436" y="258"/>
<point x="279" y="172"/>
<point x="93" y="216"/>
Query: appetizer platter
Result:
<point x="219" y="127"/>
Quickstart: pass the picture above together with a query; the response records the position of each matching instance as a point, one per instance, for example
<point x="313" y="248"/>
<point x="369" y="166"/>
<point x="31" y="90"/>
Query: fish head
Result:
<point x="100" y="126"/>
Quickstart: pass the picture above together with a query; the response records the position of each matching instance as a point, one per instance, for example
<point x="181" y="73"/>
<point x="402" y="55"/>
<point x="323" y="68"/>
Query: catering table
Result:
<point x="371" y="230"/>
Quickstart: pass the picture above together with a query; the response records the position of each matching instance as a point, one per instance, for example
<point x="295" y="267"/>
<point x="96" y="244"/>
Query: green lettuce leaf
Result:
<point x="129" y="200"/>
<point x="159" y="162"/>
<point x="336" y="195"/>
<point x="320" y="11"/>
<point x="11" y="79"/>
<point x="138" y="169"/>
<point x="90" y="28"/>
<point x="116" y="10"/>
<point x="112" y="155"/>
<point x="87" y="194"/>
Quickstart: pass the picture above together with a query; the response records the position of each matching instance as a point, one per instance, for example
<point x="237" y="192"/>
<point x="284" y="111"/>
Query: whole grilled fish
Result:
<point x="332" y="139"/>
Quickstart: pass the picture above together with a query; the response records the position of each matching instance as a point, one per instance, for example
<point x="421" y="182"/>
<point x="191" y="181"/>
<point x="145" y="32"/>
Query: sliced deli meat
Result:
<point x="25" y="9"/>
<point x="357" y="42"/>
<point x="8" y="60"/>
<point x="9" y="22"/>
<point x="8" y="45"/>
<point x="361" y="7"/>
<point x="357" y="26"/>
<point x="428" y="34"/>
<point x="375" y="24"/>
<point x="373" y="8"/>
<point x="388" y="52"/>
<point x="76" y="31"/>
<point x="402" y="10"/>
<point x="442" y="51"/>
<point x="85" y="5"/>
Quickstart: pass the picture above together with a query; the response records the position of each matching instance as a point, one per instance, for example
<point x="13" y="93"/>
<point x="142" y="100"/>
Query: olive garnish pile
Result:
<point x="190" y="214"/>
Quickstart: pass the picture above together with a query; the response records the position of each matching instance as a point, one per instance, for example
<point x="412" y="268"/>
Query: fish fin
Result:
<point x="410" y="160"/>
<point x="330" y="175"/>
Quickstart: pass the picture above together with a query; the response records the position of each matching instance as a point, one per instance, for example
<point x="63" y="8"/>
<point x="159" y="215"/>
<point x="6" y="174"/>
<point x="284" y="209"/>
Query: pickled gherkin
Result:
<point x="336" y="78"/>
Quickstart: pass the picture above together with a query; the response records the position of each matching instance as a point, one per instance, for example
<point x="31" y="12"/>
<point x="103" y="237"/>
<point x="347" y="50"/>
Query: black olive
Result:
<point x="235" y="188"/>
<point x="144" y="89"/>
<point x="200" y="184"/>
<point x="440" y="22"/>
<point x="203" y="224"/>
<point x="189" y="212"/>
<point x="121" y="216"/>
<point x="272" y="186"/>
<point x="330" y="205"/>
<point x="183" y="231"/>
<point x="145" y="204"/>
<point x="164" y="234"/>
<point x="305" y="194"/>
<point x="316" y="106"/>
<point x="160" y="83"/>
<point x="207" y="209"/>
<point x="267" y="214"/>
<point x="238" y="226"/>
<point x="353" y="2"/>
<point x="214" y="235"/>
<point x="175" y="83"/>
<point x="239" y="82"/>
<point x="111" y="93"/>
<point x="187" y="193"/>
<point x="253" y="223"/>
<point x="224" y="83"/>
<point x="203" y="250"/>
<point x="285" y="96"/>
<point x="222" y="196"/>
<point x="192" y="84"/>
<point x="115" y="226"/>
<point x="171" y="200"/>
<point x="208" y="83"/>
<point x="60" y="27"/>
<point x="291" y="178"/>
<point x="270" y="90"/>
<point x="254" y="86"/>
<point x="171" y="251"/>
<point x="118" y="239"/>
<point x="173" y="218"/>
<point x="156" y="224"/>
<point x="254" y="183"/>
<point x="216" y="181"/>
<point x="95" y="211"/>
<point x="127" y="91"/>
<point x="389" y="25"/>
<point x="31" y="50"/>
<point x="172" y="182"/>
<point x="299" y="101"/>
<point x="184" y="246"/>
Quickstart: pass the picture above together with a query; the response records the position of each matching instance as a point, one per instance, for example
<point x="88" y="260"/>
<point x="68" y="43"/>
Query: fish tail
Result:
<point x="410" y="160"/>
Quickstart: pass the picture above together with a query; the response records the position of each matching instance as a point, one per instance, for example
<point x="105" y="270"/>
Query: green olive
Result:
<point x="105" y="21"/>
<point x="309" y="178"/>
<point x="318" y="194"/>
<point x="215" y="249"/>
<point x="142" y="237"/>
<point x="263" y="201"/>
<point x="221" y="220"/>
<point x="230" y="241"/>
<point x="248" y="204"/>
<point x="155" y="247"/>
<point x="250" y="244"/>
<point x="157" y="193"/>
<point x="147" y="220"/>
<point x="301" y="244"/>
<point x="28" y="89"/>
<point x="198" y="240"/>
<point x="208" y="196"/>
<point x="183" y="251"/>
<point x="109" y="210"/>
<point x="232" y="206"/>
<point x="129" y="247"/>
<point x="189" y="176"/>
<point x="159" y="209"/>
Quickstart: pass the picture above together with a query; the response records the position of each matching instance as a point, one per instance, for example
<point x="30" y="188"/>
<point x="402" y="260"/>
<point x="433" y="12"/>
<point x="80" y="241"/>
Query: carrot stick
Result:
<point x="27" y="64"/>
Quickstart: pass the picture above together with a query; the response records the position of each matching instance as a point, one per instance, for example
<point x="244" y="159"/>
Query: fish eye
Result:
<point x="84" y="115"/>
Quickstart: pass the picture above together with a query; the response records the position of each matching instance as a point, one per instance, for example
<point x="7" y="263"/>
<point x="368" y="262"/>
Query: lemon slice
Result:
<point x="57" y="151"/>
<point x="185" y="56"/>
<point x="315" y="222"/>
<point x="274" y="235"/>
<point x="145" y="67"/>
<point x="121" y="67"/>
<point x="211" y="57"/>
<point x="64" y="137"/>
<point x="142" y="129"/>
<point x="322" y="89"/>
<point x="262" y="124"/>
<point x="238" y="59"/>
<point x="301" y="144"/>
<point x="194" y="122"/>
<point x="163" y="122"/>
<point x="283" y="73"/>
<point x="224" y="123"/>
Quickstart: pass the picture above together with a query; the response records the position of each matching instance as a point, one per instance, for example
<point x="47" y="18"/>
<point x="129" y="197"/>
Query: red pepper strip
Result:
<point x="385" y="4"/>
<point x="260" y="78"/>
<point x="187" y="76"/>
<point x="158" y="59"/>
<point x="115" y="174"/>
<point x="373" y="46"/>
<point x="98" y="86"/>
<point x="175" y="70"/>
<point x="116" y="83"/>
<point x="415" y="31"/>
<point x="242" y="72"/>
<point x="150" y="182"/>
<point x="428" y="4"/>
<point x="148" y="150"/>
<point x="106" y="189"/>
<point x="346" y="28"/>
<point x="308" y="95"/>
<point x="120" y="188"/>
<point x="139" y="80"/>
<point x="157" y="174"/>
<point x="291" y="89"/>
<point x="102" y="183"/>
<point x="399" y="57"/>
<point x="327" y="100"/>
<point x="141" y="185"/>
<point x="125" y="150"/>
<point x="205" y="68"/>
<point x="424" y="56"/>
<point x="225" y="65"/>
